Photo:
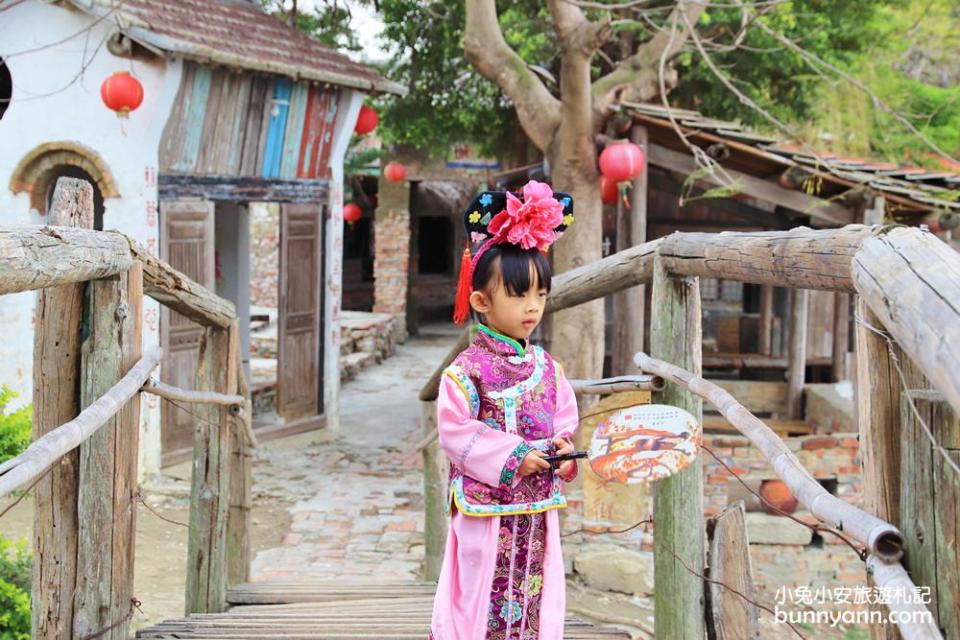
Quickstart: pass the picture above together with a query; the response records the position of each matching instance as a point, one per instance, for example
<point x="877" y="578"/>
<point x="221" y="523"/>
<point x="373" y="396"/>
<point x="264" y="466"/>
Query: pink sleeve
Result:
<point x="567" y="418"/>
<point x="479" y="451"/>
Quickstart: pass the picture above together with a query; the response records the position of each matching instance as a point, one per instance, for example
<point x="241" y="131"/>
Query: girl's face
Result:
<point x="515" y="315"/>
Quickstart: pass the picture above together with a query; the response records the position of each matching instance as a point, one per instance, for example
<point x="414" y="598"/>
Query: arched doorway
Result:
<point x="38" y="171"/>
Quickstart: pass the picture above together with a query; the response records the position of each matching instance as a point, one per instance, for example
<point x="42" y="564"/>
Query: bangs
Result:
<point x="517" y="266"/>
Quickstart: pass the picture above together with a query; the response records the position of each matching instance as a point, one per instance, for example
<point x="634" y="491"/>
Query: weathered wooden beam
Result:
<point x="56" y="399"/>
<point x="434" y="494"/>
<point x="106" y="509"/>
<point x="882" y="538"/>
<point x="676" y="336"/>
<point x="241" y="189"/>
<point x="797" y="356"/>
<point x="823" y="210"/>
<point x="210" y="485"/>
<point x="877" y="390"/>
<point x="732" y="611"/>
<point x="176" y="291"/>
<point x="49" y="448"/>
<point x="933" y="486"/>
<point x="911" y="280"/>
<point x="241" y="483"/>
<point x="570" y="288"/>
<point x="801" y="258"/>
<point x="37" y="257"/>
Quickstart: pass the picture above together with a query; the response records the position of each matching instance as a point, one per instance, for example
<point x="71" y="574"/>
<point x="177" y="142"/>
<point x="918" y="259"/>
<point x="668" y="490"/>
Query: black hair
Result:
<point x="515" y="264"/>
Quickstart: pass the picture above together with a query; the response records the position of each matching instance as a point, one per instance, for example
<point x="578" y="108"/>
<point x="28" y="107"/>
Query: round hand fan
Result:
<point x="644" y="443"/>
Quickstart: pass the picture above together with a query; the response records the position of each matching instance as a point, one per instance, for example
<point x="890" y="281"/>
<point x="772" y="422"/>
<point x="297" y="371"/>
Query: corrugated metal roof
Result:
<point x="912" y="188"/>
<point x="239" y="34"/>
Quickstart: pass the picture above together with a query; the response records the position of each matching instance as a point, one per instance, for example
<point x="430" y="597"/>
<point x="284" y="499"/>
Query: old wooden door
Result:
<point x="299" y="346"/>
<point x="187" y="244"/>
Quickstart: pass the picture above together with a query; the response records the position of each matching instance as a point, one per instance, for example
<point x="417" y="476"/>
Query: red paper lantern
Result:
<point x="778" y="496"/>
<point x="367" y="120"/>
<point x="121" y="92"/>
<point x="609" y="192"/>
<point x="351" y="212"/>
<point x="621" y="161"/>
<point x="395" y="172"/>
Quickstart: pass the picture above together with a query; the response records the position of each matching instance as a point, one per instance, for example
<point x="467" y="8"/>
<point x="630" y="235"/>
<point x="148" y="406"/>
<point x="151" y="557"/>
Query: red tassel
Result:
<point x="461" y="304"/>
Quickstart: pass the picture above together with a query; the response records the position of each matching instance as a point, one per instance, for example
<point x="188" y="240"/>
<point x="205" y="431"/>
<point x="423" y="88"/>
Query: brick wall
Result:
<point x="264" y="254"/>
<point x="783" y="553"/>
<point x="392" y="250"/>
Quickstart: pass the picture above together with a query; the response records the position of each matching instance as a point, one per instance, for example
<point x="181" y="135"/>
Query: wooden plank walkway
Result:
<point x="329" y="611"/>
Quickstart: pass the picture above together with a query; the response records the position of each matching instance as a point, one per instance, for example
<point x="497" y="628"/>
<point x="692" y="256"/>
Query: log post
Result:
<point x="732" y="617"/>
<point x="932" y="554"/>
<point x="797" y="362"/>
<point x="841" y="335"/>
<point x="241" y="481"/>
<point x="434" y="495"/>
<point x="210" y="486"/>
<point x="56" y="400"/>
<point x="765" y="338"/>
<point x="675" y="336"/>
<point x="106" y="509"/>
<point x="628" y="304"/>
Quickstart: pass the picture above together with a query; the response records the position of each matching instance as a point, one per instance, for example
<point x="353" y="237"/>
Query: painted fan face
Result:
<point x="644" y="443"/>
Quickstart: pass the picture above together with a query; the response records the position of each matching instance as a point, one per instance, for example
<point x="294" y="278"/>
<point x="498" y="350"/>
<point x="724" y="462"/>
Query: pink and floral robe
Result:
<point x="502" y="576"/>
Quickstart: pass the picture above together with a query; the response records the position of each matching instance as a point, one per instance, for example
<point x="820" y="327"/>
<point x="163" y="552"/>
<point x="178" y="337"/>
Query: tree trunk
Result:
<point x="577" y="334"/>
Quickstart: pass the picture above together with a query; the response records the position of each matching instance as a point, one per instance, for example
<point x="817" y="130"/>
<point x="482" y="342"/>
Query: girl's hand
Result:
<point x="568" y="467"/>
<point x="533" y="462"/>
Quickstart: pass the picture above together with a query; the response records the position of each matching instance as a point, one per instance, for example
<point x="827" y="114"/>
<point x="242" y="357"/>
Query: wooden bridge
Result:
<point x="329" y="611"/>
<point x="83" y="462"/>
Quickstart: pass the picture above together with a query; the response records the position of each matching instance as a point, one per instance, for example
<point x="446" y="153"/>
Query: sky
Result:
<point x="367" y="25"/>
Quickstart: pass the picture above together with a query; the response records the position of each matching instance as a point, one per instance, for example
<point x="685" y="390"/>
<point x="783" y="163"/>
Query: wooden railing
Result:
<point x="88" y="375"/>
<point x="907" y="320"/>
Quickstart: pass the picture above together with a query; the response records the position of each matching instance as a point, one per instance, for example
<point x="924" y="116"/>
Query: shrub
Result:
<point x="15" y="426"/>
<point x="15" y="568"/>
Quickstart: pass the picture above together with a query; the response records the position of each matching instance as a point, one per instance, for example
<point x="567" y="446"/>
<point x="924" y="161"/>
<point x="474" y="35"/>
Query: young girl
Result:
<point x="504" y="405"/>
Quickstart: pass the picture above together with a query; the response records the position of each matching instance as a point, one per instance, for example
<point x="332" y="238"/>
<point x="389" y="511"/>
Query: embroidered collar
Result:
<point x="502" y="344"/>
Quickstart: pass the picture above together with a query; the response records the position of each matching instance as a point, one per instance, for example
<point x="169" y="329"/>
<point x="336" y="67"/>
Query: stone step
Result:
<point x="353" y="363"/>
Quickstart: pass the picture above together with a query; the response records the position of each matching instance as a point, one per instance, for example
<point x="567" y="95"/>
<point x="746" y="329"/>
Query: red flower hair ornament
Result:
<point x="534" y="220"/>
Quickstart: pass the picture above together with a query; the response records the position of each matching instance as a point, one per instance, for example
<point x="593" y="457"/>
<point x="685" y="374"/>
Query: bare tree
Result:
<point x="565" y="128"/>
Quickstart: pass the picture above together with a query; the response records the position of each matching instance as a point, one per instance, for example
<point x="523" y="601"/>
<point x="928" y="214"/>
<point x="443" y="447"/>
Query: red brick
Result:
<point x="819" y="442"/>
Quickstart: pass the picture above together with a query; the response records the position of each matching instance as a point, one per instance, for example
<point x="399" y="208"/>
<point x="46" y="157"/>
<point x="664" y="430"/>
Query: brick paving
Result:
<point x="357" y="506"/>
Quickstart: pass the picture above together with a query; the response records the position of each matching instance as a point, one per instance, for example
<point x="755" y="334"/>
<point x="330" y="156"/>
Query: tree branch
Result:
<point x="486" y="49"/>
<point x="636" y="77"/>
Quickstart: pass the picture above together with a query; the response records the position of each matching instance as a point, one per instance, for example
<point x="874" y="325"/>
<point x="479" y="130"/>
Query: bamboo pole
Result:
<point x="679" y="536"/>
<point x="882" y="538"/>
<point x="112" y="343"/>
<point x="210" y="485"/>
<point x="56" y="399"/>
<point x="52" y="446"/>
<point x="915" y="622"/>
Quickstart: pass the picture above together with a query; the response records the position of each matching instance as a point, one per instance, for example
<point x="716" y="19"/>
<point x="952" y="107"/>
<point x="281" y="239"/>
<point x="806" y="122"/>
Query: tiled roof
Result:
<point x="235" y="33"/>
<point x="910" y="189"/>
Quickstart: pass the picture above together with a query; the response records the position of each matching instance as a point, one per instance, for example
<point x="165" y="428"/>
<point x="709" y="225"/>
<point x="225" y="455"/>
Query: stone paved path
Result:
<point x="358" y="503"/>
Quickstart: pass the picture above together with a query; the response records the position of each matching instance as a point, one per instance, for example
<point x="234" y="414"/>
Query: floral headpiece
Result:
<point x="535" y="219"/>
